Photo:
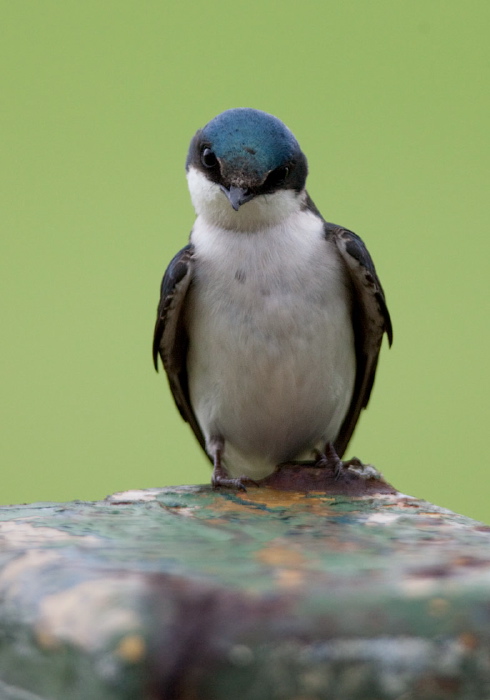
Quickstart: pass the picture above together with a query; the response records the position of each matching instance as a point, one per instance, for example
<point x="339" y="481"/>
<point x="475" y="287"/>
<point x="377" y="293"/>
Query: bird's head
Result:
<point x="245" y="170"/>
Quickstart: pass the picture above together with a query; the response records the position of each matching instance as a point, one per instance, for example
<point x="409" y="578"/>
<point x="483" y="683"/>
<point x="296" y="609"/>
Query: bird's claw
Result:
<point x="237" y="483"/>
<point x="329" y="459"/>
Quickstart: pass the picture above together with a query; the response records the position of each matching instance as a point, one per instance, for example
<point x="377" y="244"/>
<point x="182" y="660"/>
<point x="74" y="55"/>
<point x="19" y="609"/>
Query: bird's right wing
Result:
<point x="370" y="320"/>
<point x="170" y="340"/>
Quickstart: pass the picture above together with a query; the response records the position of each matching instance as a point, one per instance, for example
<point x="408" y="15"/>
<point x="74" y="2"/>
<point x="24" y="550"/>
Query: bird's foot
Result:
<point x="221" y="479"/>
<point x="329" y="459"/>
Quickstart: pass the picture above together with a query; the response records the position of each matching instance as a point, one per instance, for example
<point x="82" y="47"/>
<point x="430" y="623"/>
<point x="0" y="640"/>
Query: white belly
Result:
<point x="271" y="359"/>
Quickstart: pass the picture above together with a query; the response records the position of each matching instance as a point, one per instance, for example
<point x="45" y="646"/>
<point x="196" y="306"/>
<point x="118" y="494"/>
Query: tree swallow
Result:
<point x="270" y="320"/>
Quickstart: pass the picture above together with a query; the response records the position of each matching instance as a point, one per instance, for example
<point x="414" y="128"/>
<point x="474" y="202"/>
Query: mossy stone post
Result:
<point x="302" y="588"/>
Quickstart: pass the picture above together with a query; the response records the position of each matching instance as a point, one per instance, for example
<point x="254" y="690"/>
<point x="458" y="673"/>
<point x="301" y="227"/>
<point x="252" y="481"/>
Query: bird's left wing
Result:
<point x="370" y="319"/>
<point x="170" y="339"/>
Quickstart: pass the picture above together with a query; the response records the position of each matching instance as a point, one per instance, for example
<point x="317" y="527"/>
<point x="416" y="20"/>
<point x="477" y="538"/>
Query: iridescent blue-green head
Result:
<point x="246" y="153"/>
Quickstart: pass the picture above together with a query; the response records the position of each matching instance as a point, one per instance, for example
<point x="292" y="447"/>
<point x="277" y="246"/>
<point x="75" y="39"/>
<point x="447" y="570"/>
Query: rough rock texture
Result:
<point x="188" y="593"/>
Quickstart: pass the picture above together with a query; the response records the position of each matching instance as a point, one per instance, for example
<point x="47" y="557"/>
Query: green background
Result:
<point x="99" y="99"/>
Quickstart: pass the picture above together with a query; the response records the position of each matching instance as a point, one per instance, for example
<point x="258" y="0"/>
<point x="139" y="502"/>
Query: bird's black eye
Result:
<point x="282" y="173"/>
<point x="208" y="159"/>
<point x="276" y="177"/>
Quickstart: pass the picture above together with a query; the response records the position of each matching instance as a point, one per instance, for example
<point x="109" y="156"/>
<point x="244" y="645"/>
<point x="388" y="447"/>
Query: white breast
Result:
<point x="271" y="359"/>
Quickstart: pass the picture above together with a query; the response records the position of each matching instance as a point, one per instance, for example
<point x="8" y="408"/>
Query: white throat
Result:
<point x="261" y="212"/>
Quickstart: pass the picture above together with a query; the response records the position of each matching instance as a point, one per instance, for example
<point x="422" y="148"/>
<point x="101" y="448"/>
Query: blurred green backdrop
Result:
<point x="389" y="100"/>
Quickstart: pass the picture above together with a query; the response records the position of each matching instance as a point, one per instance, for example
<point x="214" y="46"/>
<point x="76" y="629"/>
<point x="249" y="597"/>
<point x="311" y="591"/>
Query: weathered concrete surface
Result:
<point x="188" y="593"/>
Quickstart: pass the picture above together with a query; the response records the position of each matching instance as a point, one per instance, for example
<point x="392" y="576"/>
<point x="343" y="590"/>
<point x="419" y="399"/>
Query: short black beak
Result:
<point x="237" y="195"/>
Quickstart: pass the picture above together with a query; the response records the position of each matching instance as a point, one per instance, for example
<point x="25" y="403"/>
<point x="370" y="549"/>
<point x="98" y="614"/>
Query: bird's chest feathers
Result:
<point x="271" y="352"/>
<point x="266" y="289"/>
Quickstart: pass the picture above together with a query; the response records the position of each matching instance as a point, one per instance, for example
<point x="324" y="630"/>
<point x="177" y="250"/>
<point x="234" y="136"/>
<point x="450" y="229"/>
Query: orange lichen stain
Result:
<point x="47" y="641"/>
<point x="270" y="498"/>
<point x="223" y="506"/>
<point x="468" y="640"/>
<point x="280" y="556"/>
<point x="273" y="498"/>
<point x="289" y="578"/>
<point x="287" y="563"/>
<point x="438" y="607"/>
<point x="131" y="648"/>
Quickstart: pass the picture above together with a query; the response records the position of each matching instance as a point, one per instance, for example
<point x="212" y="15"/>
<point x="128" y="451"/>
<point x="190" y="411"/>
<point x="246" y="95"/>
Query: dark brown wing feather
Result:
<point x="370" y="318"/>
<point x="170" y="340"/>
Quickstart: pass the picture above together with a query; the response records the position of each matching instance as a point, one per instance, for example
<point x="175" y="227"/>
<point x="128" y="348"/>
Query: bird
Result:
<point x="270" y="319"/>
